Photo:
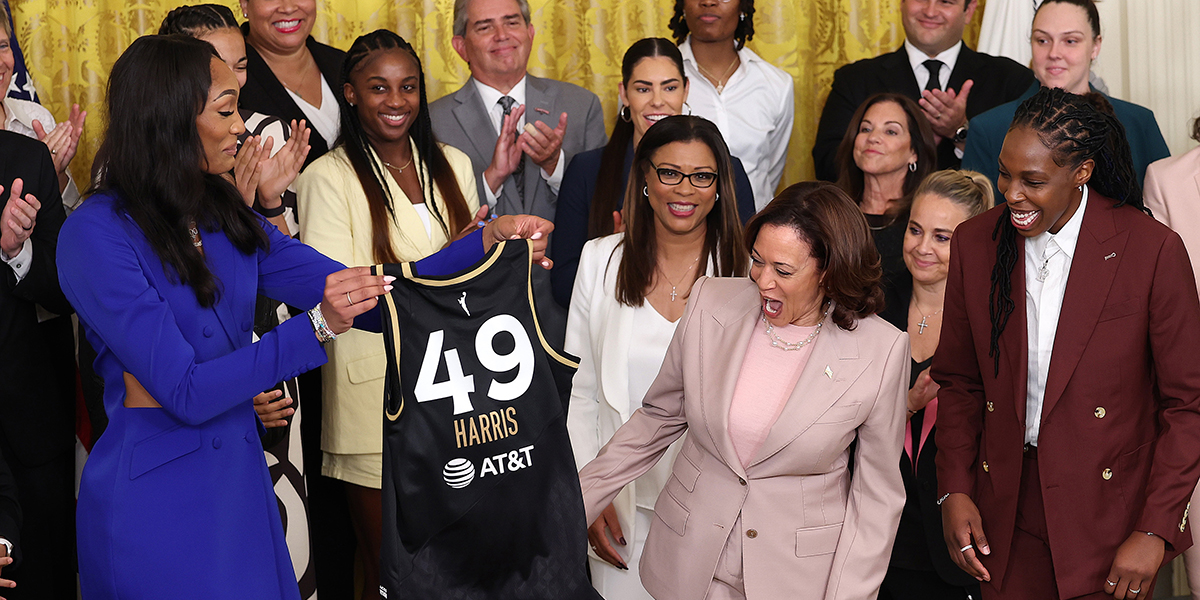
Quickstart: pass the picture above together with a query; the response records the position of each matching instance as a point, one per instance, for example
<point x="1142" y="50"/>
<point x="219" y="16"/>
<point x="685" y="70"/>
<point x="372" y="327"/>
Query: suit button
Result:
<point x="207" y="331"/>
<point x="750" y="533"/>
<point x="1100" y="412"/>
<point x="1106" y="474"/>
<point x="991" y="406"/>
<point x="741" y="481"/>
<point x="216" y="442"/>
<point x="985" y="467"/>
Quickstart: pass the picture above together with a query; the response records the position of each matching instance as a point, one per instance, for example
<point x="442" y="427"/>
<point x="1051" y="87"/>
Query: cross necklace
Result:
<point x="922" y="325"/>
<point x="674" y="285"/>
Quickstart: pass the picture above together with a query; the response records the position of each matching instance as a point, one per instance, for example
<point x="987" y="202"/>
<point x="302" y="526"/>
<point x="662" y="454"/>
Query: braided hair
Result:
<point x="1075" y="131"/>
<point x="197" y="19"/>
<point x="741" y="35"/>
<point x="432" y="164"/>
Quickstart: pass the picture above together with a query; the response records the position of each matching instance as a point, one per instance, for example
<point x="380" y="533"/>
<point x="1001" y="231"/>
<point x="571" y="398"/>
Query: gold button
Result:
<point x="1100" y="412"/>
<point x="750" y="533"/>
<point x="1106" y="474"/>
<point x="991" y="406"/>
<point x="985" y="467"/>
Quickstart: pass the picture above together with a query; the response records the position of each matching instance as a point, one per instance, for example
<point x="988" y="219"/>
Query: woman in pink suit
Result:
<point x="774" y="376"/>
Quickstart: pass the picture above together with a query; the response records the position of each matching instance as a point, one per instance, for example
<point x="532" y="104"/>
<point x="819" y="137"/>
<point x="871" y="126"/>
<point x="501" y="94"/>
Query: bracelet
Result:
<point x="943" y="499"/>
<point x="320" y="327"/>
<point x="269" y="213"/>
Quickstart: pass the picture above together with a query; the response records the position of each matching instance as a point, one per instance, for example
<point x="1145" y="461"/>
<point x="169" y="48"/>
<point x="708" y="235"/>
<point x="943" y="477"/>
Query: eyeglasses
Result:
<point x="700" y="179"/>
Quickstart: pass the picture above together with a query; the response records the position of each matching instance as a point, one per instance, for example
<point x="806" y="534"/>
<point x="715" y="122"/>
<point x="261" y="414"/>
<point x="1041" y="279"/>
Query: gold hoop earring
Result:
<point x="625" y="114"/>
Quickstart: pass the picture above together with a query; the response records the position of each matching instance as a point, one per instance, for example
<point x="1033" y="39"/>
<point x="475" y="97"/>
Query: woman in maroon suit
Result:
<point x="1069" y="428"/>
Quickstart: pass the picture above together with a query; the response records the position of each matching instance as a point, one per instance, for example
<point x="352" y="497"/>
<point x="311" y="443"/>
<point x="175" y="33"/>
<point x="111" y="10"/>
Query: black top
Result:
<point x="574" y="209"/>
<point x="264" y="93"/>
<point x="481" y="496"/>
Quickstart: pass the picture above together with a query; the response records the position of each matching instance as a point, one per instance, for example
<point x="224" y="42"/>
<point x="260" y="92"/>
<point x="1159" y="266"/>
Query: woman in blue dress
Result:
<point x="163" y="264"/>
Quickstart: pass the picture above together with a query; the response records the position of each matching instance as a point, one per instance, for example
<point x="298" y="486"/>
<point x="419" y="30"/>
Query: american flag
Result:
<point x="21" y="86"/>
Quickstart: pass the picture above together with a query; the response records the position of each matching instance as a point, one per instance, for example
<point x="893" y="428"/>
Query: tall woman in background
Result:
<point x="1068" y="386"/>
<point x="653" y="86"/>
<point x="920" y="568"/>
<point x="389" y="192"/>
<point x="631" y="291"/>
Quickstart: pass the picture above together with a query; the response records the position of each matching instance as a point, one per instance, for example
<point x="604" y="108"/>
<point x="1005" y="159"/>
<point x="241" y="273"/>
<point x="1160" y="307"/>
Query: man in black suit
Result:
<point x="951" y="81"/>
<point x="37" y="370"/>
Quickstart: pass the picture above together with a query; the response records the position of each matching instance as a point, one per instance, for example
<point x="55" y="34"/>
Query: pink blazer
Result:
<point x="1173" y="195"/>
<point x="808" y="529"/>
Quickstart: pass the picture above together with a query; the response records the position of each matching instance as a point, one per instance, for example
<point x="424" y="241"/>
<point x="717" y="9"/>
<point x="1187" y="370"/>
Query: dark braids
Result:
<point x="432" y="164"/>
<point x="741" y="35"/>
<point x="1075" y="131"/>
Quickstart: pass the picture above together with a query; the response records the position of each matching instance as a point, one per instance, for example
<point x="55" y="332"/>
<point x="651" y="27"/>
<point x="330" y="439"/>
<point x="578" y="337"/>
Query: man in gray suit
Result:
<point x="519" y="130"/>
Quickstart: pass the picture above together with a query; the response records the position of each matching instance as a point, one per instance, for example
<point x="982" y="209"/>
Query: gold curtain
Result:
<point x="70" y="45"/>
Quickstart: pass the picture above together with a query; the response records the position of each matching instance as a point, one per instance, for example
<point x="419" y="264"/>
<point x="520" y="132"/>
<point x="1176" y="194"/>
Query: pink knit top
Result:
<point x="765" y="382"/>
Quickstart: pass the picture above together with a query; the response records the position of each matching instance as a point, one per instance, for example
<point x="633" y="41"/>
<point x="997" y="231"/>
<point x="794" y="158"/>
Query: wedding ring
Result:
<point x="349" y="299"/>
<point x="1137" y="591"/>
<point x="1110" y="583"/>
<point x="967" y="547"/>
<point x="30" y="228"/>
<point x="937" y="117"/>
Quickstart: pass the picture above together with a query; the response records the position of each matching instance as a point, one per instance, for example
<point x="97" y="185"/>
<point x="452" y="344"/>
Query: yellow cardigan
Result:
<point x="335" y="219"/>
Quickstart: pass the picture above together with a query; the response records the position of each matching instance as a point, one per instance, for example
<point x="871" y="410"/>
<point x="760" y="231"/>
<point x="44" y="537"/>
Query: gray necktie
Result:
<point x="508" y="103"/>
<point x="934" y="67"/>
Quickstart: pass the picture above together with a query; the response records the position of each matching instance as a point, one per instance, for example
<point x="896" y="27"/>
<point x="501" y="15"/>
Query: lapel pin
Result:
<point x="541" y="111"/>
<point x="828" y="372"/>
<point x="1113" y="255"/>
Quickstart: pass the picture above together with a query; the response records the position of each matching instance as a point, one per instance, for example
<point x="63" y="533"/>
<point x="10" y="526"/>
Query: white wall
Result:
<point x="1151" y="56"/>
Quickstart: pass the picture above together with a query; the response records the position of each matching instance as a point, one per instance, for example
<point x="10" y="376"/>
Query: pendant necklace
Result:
<point x="1044" y="272"/>
<point x="674" y="293"/>
<point x="922" y="325"/>
<point x="722" y="80"/>
<point x="397" y="169"/>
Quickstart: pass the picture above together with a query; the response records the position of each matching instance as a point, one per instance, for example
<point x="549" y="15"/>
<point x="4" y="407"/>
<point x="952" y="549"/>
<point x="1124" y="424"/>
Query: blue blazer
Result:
<point x="176" y="502"/>
<point x="575" y="205"/>
<point x="986" y="134"/>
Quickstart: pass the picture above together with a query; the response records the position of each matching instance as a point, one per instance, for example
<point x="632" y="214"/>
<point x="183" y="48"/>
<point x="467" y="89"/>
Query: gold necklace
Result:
<point x="720" y="81"/>
<point x="398" y="169"/>
<point x="674" y="285"/>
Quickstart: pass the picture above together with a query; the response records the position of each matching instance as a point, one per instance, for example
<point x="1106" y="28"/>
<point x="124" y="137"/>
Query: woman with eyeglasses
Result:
<point x="630" y="292"/>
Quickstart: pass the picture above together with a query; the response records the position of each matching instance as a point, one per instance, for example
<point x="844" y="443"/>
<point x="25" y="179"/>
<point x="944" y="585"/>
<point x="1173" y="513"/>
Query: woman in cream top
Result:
<point x="387" y="193"/>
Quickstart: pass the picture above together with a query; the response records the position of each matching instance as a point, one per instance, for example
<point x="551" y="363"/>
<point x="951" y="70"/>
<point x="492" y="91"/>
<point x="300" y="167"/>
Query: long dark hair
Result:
<point x="838" y="239"/>
<point x="722" y="239"/>
<point x="197" y="19"/>
<point x="741" y="35"/>
<point x="1075" y="132"/>
<point x="609" y="189"/>
<point x="151" y="155"/>
<point x="852" y="179"/>
<point x="432" y="164"/>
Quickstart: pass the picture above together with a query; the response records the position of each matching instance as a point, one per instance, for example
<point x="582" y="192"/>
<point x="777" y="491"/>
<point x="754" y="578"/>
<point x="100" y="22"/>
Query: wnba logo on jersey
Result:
<point x="459" y="472"/>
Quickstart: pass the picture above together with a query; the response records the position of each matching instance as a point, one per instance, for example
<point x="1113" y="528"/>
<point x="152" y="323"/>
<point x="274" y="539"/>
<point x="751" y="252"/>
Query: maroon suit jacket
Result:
<point x="1119" y="445"/>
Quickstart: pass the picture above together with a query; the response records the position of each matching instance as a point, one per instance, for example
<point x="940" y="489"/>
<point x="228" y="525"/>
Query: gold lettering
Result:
<point x="510" y="414"/>
<point x="474" y="435"/>
<point x="496" y="426"/>
<point x="485" y="429"/>
<point x="460" y="433"/>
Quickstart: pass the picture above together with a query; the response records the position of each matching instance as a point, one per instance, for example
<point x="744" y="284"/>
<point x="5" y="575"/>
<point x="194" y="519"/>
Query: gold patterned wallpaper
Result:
<point x="70" y="45"/>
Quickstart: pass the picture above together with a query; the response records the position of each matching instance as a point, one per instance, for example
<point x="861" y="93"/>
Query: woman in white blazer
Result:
<point x="387" y="193"/>
<point x="630" y="290"/>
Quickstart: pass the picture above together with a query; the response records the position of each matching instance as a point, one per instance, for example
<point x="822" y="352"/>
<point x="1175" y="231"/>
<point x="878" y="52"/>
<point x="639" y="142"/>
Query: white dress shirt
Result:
<point x="20" y="262"/>
<point x="491" y="101"/>
<point x="754" y="113"/>
<point x="1043" y="305"/>
<point x="917" y="59"/>
<point x="19" y="116"/>
<point x="327" y="120"/>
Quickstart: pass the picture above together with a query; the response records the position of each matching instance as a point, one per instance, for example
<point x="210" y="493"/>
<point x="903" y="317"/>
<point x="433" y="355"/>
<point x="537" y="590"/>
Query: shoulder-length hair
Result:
<point x="151" y="158"/>
<point x="609" y="189"/>
<point x="432" y="169"/>
<point x="851" y="177"/>
<point x="639" y="261"/>
<point x="838" y="238"/>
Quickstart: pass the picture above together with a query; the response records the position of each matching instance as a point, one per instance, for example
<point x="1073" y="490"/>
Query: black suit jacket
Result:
<point x="997" y="80"/>
<point x="37" y="364"/>
<point x="264" y="93"/>
<point x="10" y="511"/>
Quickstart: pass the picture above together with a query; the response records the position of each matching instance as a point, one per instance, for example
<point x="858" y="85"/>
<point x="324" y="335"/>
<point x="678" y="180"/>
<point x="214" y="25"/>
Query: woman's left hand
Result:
<point x="516" y="227"/>
<point x="247" y="170"/>
<point x="922" y="392"/>
<point x="279" y="171"/>
<point x="64" y="140"/>
<point x="272" y="410"/>
<point x="1135" y="567"/>
<point x="349" y="293"/>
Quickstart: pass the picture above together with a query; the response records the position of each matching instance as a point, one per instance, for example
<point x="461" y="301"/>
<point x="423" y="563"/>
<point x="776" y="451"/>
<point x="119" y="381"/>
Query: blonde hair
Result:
<point x="7" y="27"/>
<point x="969" y="189"/>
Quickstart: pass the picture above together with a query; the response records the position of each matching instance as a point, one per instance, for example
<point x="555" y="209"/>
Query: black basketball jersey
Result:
<point x="481" y="496"/>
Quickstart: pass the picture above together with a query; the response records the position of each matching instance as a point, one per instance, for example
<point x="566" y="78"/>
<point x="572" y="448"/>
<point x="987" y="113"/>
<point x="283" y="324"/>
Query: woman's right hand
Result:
<point x="599" y="541"/>
<point x="922" y="392"/>
<point x="349" y="293"/>
<point x="518" y="227"/>
<point x="962" y="528"/>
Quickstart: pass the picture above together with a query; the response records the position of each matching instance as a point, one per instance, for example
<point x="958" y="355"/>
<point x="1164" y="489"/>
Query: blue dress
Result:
<point x="176" y="502"/>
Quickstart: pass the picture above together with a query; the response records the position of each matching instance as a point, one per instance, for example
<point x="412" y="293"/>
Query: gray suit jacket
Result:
<point x="461" y="120"/>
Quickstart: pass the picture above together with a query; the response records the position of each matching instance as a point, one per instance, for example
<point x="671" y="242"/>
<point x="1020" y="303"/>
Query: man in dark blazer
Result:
<point x="519" y="130"/>
<point x="933" y="31"/>
<point x="37" y="368"/>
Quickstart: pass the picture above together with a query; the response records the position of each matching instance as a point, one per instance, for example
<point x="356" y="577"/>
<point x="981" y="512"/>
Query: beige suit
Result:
<point x="335" y="219"/>
<point x="803" y="527"/>
<point x="1173" y="194"/>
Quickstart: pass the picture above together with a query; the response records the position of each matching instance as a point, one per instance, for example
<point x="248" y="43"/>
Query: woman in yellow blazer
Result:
<point x="387" y="193"/>
<point x="773" y="377"/>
